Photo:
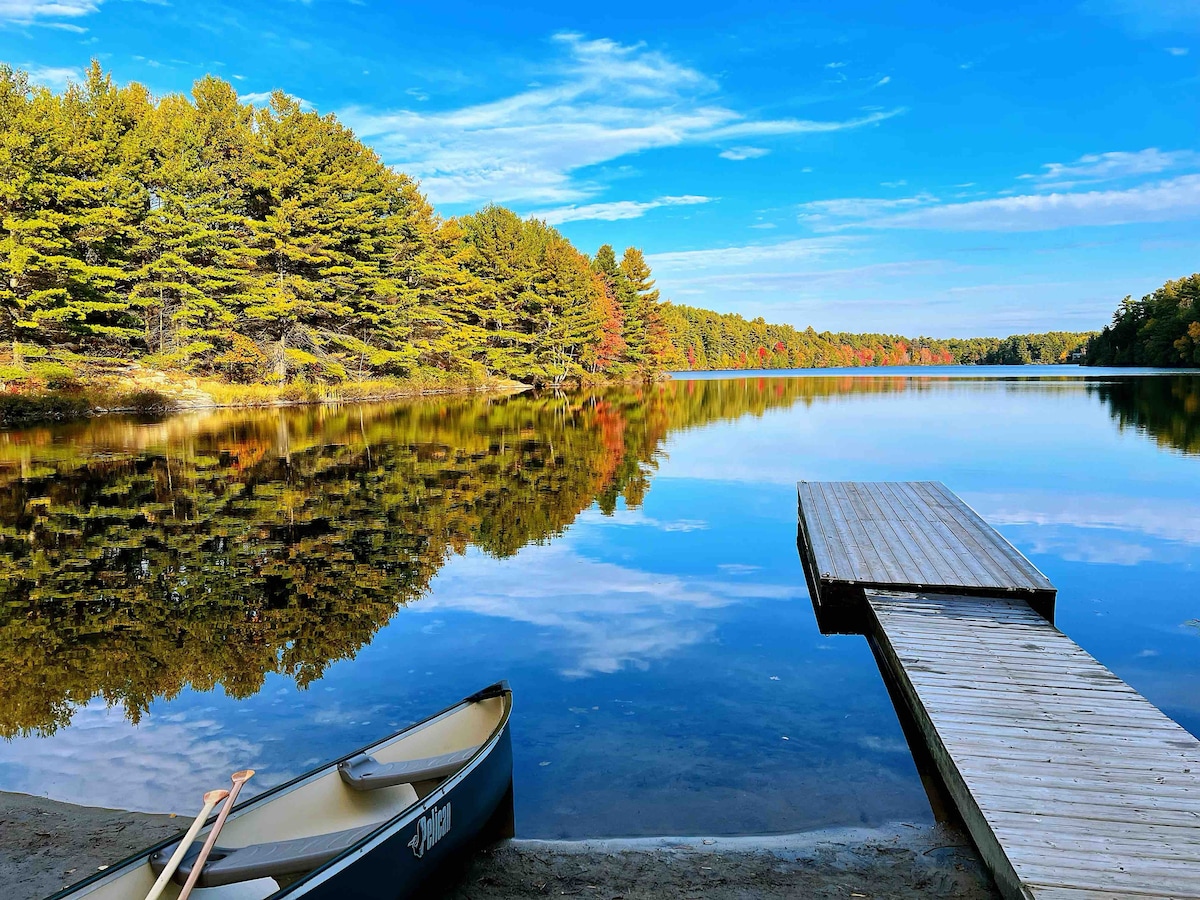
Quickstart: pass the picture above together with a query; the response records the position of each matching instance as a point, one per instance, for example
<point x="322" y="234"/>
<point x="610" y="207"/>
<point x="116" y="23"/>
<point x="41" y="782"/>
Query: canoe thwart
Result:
<point x="365" y="773"/>
<point x="274" y="859"/>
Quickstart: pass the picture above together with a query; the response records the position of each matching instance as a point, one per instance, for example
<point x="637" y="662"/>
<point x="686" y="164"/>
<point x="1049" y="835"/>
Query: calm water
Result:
<point x="273" y="588"/>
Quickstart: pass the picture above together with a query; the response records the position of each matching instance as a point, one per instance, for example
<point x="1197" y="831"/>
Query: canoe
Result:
<point x="374" y="825"/>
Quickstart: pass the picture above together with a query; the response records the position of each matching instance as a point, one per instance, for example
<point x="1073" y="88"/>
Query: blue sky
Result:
<point x="926" y="168"/>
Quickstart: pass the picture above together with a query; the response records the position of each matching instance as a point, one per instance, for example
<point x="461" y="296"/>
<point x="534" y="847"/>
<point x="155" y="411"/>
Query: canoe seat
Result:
<point x="365" y="773"/>
<point x="229" y="865"/>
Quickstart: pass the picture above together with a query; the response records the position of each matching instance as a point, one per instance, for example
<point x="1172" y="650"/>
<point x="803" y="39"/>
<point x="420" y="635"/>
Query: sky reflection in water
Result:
<point x="670" y="678"/>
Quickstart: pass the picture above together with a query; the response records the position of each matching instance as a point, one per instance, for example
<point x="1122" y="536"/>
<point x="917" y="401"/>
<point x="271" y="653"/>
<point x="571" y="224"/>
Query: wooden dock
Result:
<point x="1072" y="785"/>
<point x="908" y="536"/>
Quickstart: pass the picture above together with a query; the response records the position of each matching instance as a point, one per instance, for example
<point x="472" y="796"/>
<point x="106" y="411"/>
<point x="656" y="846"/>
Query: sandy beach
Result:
<point x="46" y="845"/>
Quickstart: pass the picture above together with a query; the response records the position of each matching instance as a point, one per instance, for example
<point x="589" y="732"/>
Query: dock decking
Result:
<point x="909" y="536"/>
<point x="1073" y="785"/>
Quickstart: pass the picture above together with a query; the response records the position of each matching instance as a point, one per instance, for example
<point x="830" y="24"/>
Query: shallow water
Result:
<point x="273" y="588"/>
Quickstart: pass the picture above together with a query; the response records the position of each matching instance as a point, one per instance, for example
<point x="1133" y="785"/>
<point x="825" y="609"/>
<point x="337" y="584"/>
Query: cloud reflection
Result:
<point x="602" y="617"/>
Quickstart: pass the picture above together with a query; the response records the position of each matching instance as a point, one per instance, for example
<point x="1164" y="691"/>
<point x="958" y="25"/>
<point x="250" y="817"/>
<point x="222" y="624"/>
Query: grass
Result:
<point x="60" y="389"/>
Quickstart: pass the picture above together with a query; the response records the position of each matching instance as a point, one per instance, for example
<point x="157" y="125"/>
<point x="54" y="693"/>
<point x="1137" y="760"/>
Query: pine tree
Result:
<point x="644" y="335"/>
<point x="73" y="211"/>
<point x="192" y="245"/>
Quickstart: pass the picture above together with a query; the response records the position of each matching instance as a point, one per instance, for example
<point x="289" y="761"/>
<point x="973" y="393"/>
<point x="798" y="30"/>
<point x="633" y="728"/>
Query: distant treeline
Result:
<point x="1161" y="329"/>
<point x="1021" y="349"/>
<point x="702" y="339"/>
<point x="201" y="235"/>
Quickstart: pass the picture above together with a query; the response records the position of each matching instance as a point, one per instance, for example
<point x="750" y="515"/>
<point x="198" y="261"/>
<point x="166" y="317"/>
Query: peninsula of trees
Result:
<point x="1161" y="329"/>
<point x="200" y="235"/>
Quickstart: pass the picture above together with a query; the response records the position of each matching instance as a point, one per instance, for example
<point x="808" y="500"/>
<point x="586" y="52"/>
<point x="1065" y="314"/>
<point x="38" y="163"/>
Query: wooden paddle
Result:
<point x="211" y="799"/>
<point x="239" y="778"/>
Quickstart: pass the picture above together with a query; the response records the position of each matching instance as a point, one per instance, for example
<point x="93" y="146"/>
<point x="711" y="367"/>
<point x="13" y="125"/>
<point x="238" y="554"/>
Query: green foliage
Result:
<point x="1161" y="329"/>
<point x="53" y="374"/>
<point x="272" y="245"/>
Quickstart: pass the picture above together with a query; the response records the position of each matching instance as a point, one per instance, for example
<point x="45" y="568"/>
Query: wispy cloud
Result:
<point x="611" y="212"/>
<point x="53" y="76"/>
<point x="28" y="12"/>
<point x="1058" y="202"/>
<point x="1177" y="51"/>
<point x="818" y="212"/>
<point x="601" y="100"/>
<point x="752" y="254"/>
<point x="740" y="153"/>
<point x="1173" y="200"/>
<point x="1095" y="168"/>
<point x="263" y="98"/>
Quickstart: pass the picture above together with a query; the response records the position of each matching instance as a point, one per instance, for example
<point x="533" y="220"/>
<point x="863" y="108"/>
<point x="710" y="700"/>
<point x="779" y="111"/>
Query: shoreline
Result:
<point x="46" y="845"/>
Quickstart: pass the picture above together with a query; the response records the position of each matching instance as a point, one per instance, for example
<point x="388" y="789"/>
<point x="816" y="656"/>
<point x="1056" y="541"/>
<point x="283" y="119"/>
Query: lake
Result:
<point x="273" y="588"/>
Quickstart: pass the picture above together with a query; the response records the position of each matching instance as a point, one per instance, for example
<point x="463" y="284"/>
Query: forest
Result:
<point x="203" y="236"/>
<point x="1161" y="329"/>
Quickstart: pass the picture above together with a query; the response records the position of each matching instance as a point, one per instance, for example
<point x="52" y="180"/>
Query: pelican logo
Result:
<point x="430" y="829"/>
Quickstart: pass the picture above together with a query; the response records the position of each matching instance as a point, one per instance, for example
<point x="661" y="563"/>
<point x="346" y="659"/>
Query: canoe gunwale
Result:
<point x="385" y="828"/>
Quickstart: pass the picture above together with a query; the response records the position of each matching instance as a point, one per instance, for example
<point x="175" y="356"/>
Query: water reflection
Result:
<point x="273" y="588"/>
<point x="1166" y="407"/>
<point x="204" y="550"/>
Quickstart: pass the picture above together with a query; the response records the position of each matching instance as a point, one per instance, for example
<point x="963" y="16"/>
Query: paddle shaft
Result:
<point x="239" y="778"/>
<point x="211" y="799"/>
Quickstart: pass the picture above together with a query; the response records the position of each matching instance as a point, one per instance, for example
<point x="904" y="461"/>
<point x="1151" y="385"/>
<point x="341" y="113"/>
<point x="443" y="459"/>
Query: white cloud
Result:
<point x="835" y="65"/>
<point x="611" y="212"/>
<point x="886" y="79"/>
<point x="53" y="76"/>
<point x="600" y="101"/>
<point x="1165" y="201"/>
<point x="263" y="99"/>
<point x="735" y="257"/>
<point x="821" y="211"/>
<point x="26" y="12"/>
<point x="1094" y="168"/>
<point x="1177" y="51"/>
<point x="740" y="153"/>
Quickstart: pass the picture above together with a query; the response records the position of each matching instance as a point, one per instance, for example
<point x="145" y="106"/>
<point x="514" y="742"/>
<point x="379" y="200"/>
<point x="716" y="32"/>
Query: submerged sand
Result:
<point x="46" y="845"/>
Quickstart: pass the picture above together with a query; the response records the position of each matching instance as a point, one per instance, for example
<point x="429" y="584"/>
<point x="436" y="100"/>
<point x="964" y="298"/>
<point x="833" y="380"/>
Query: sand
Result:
<point x="46" y="845"/>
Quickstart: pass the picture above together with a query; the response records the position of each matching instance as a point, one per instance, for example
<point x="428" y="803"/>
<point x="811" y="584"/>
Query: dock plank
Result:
<point x="1072" y="784"/>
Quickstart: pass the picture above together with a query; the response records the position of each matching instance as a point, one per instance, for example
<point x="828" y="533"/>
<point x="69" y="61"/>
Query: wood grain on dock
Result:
<point x="1073" y="785"/>
<point x="907" y="535"/>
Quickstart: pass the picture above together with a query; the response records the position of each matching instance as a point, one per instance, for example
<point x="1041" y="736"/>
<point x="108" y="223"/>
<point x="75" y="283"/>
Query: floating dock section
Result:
<point x="906" y="536"/>
<point x="1072" y="785"/>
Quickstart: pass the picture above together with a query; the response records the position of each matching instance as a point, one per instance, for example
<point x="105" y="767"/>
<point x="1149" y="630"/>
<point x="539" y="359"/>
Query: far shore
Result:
<point x="46" y="845"/>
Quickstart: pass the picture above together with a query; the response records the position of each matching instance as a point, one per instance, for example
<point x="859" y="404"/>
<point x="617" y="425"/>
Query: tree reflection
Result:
<point x="138" y="559"/>
<point x="214" y="549"/>
<point x="1164" y="407"/>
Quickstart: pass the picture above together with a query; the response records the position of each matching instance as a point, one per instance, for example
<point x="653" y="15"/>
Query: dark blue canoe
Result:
<point x="374" y="825"/>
